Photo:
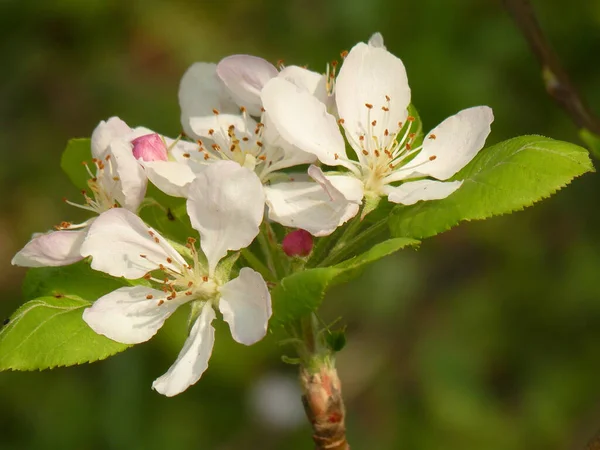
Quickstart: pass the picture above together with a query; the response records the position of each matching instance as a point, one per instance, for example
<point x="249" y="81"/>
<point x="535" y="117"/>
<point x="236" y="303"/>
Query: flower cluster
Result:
<point x="259" y="143"/>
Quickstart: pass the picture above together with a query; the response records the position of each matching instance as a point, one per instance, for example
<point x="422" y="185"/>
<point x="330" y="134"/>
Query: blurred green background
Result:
<point x="488" y="337"/>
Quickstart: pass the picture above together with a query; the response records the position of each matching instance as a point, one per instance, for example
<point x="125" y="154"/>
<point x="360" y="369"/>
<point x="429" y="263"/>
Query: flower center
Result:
<point x="383" y="147"/>
<point x="104" y="187"/>
<point x="178" y="280"/>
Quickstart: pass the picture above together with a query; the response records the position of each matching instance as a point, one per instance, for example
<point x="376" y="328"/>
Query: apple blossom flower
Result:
<point x="255" y="145"/>
<point x="115" y="180"/>
<point x="122" y="245"/>
<point x="372" y="98"/>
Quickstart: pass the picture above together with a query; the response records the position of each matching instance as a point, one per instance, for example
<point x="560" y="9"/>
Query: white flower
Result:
<point x="221" y="206"/>
<point x="372" y="97"/>
<point x="236" y="136"/>
<point x="116" y="179"/>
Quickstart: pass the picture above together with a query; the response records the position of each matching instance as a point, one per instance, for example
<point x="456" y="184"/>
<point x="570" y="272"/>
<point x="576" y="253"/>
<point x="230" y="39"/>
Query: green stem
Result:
<point x="335" y="257"/>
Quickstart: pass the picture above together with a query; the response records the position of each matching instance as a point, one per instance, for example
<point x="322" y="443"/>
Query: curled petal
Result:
<point x="171" y="177"/>
<point x="318" y="208"/>
<point x="105" y="132"/>
<point x="193" y="358"/>
<point x="226" y="206"/>
<point x="304" y="122"/>
<point x="454" y="143"/>
<point x="122" y="245"/>
<point x="56" y="248"/>
<point x="246" y="306"/>
<point x="131" y="179"/>
<point x="245" y="76"/>
<point x="130" y="315"/>
<point x="201" y="91"/>
<point x="369" y="77"/>
<point x="411" y="192"/>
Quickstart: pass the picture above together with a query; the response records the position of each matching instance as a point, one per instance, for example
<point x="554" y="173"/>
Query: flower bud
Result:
<point x="298" y="243"/>
<point x="149" y="147"/>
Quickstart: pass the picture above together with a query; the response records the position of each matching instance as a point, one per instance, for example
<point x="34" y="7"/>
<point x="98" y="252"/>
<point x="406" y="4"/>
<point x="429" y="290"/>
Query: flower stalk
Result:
<point x="322" y="390"/>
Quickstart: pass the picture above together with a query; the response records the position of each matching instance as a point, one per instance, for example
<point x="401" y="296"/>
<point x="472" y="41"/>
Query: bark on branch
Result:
<point x="556" y="79"/>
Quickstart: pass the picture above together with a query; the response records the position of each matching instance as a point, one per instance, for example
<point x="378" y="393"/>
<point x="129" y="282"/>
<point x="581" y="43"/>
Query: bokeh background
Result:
<point x="487" y="337"/>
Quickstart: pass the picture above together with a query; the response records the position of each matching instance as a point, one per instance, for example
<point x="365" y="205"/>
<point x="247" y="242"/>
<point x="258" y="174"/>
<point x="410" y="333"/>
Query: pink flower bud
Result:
<point x="150" y="147"/>
<point x="298" y="243"/>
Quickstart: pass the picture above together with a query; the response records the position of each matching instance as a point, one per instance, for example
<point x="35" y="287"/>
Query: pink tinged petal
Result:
<point x="132" y="181"/>
<point x="149" y="147"/>
<point x="130" y="315"/>
<point x="369" y="76"/>
<point x="56" y="248"/>
<point x="377" y="41"/>
<point x="246" y="306"/>
<point x="104" y="133"/>
<point x="245" y="76"/>
<point x="173" y="178"/>
<point x="313" y="82"/>
<point x="297" y="243"/>
<point x="193" y="358"/>
<point x="318" y="208"/>
<point x="411" y="192"/>
<point x="201" y="91"/>
<point x="226" y="206"/>
<point x="454" y="143"/>
<point x="117" y="239"/>
<point x="304" y="122"/>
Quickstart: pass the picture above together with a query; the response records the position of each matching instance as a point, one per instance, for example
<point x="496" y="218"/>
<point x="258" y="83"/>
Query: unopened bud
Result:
<point x="150" y="147"/>
<point x="298" y="243"/>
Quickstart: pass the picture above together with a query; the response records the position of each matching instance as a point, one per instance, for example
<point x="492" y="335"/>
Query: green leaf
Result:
<point x="506" y="177"/>
<point x="592" y="141"/>
<point x="77" y="279"/>
<point x="302" y="292"/>
<point x="49" y="332"/>
<point x="77" y="151"/>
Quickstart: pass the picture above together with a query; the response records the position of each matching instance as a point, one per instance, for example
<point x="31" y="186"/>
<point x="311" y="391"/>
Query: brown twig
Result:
<point x="321" y="390"/>
<point x="556" y="79"/>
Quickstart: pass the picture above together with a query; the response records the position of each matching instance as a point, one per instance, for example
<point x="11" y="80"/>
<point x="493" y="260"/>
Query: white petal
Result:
<point x="413" y="191"/>
<point x="377" y="41"/>
<point x="117" y="239"/>
<point x="338" y="186"/>
<point x="246" y="306"/>
<point x="193" y="358"/>
<point x="303" y="121"/>
<point x="318" y="208"/>
<point x="104" y="133"/>
<point x="56" y="248"/>
<point x="313" y="82"/>
<point x="132" y="179"/>
<point x="370" y="75"/>
<point x="173" y="178"/>
<point x="226" y="206"/>
<point x="457" y="140"/>
<point x="128" y="316"/>
<point x="245" y="77"/>
<point x="201" y="91"/>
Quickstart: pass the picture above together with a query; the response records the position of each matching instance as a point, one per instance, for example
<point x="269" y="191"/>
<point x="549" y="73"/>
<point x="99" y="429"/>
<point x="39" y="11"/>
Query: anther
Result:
<point x="432" y="136"/>
<point x="149" y="297"/>
<point x="374" y="123"/>
<point x="387" y="97"/>
<point x="364" y="152"/>
<point x="412" y="135"/>
<point x="341" y="121"/>
<point x="242" y="109"/>
<point x="376" y="153"/>
<point x="215" y="112"/>
<point x="161" y="302"/>
<point x="410" y="118"/>
<point x="385" y="108"/>
<point x="205" y="278"/>
<point x="344" y="54"/>
<point x="260" y="144"/>
<point x="336" y="156"/>
<point x="408" y="146"/>
<point x="211" y="131"/>
<point x="368" y="105"/>
<point x="156" y="240"/>
<point x="186" y="155"/>
<point x="432" y="158"/>
<point x="169" y="260"/>
<point x="190" y="284"/>
<point x="386" y="132"/>
<point x="216" y="147"/>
